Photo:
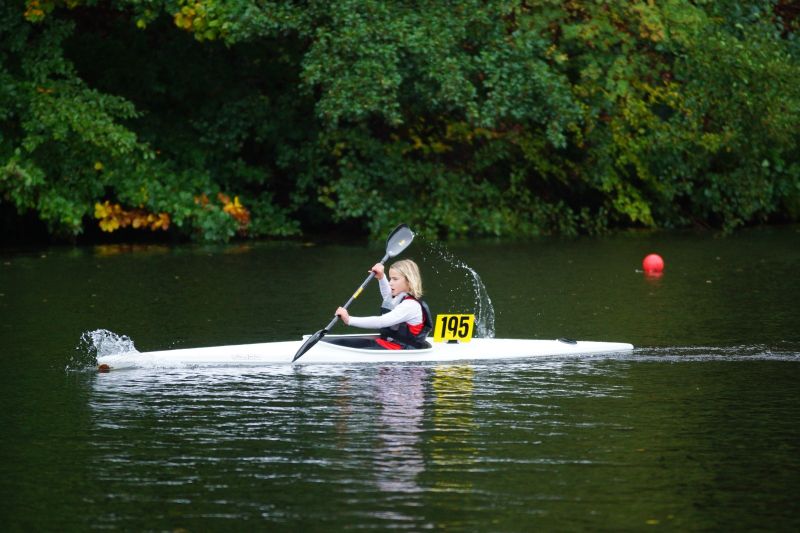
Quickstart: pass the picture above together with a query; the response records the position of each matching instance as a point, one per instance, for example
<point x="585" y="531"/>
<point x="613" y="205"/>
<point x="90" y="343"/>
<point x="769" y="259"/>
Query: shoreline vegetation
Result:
<point x="176" y="120"/>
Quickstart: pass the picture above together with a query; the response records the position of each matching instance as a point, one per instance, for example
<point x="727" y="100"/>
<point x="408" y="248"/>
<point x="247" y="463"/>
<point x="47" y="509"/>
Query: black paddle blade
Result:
<point x="311" y="341"/>
<point x="398" y="240"/>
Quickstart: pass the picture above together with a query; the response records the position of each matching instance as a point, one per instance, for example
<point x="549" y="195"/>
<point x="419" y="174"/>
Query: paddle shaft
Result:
<point x="355" y="295"/>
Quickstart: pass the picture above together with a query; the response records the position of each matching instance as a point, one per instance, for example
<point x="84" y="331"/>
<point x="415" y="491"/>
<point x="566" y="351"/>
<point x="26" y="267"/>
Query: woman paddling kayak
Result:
<point x="405" y="319"/>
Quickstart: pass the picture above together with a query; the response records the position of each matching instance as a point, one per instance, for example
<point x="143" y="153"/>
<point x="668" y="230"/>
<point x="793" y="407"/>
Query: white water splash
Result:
<point x="484" y="316"/>
<point x="483" y="308"/>
<point x="97" y="343"/>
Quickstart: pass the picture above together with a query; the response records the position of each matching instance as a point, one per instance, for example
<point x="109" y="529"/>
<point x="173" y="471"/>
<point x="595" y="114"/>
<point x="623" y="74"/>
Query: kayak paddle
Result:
<point x="398" y="240"/>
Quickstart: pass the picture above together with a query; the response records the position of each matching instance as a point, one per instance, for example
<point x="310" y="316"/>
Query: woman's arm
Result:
<point x="383" y="285"/>
<point x="406" y="311"/>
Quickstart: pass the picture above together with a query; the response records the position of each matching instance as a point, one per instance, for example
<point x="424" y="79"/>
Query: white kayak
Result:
<point x="339" y="349"/>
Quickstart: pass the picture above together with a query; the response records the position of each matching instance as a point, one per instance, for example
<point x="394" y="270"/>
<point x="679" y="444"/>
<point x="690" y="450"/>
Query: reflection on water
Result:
<point x="278" y="427"/>
<point x="400" y="392"/>
<point x="532" y="443"/>
<point x="111" y="250"/>
<point x="453" y="420"/>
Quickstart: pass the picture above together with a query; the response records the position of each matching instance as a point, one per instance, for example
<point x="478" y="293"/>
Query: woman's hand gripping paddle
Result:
<point x="398" y="240"/>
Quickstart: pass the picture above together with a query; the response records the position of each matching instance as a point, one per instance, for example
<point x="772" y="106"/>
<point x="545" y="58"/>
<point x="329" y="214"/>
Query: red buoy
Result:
<point x="653" y="264"/>
<point x="103" y="368"/>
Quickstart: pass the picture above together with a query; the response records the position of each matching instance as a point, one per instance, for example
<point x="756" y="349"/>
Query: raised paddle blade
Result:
<point x="398" y="240"/>
<point x="311" y="341"/>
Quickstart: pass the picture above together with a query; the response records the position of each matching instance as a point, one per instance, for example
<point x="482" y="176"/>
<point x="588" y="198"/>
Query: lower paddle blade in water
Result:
<point x="311" y="341"/>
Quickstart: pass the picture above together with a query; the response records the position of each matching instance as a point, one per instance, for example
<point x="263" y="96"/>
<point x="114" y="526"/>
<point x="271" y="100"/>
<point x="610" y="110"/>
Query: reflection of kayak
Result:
<point x="341" y="349"/>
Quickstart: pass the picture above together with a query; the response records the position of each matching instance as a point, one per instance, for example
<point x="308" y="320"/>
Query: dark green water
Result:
<point x="696" y="430"/>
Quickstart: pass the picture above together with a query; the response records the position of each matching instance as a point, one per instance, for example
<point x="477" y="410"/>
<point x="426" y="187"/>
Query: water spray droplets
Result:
<point x="97" y="343"/>
<point x="482" y="304"/>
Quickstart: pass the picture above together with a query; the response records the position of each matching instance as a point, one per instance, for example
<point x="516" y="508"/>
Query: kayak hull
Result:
<point x="330" y="351"/>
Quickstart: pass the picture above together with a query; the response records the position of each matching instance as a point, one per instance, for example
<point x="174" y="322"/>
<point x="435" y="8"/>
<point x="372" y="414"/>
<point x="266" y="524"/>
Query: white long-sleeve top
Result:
<point x="401" y="310"/>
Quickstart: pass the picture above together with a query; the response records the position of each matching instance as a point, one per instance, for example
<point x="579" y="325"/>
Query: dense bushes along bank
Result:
<point x="259" y="118"/>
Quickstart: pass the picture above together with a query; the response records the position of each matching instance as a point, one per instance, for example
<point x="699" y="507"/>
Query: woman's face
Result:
<point x="397" y="282"/>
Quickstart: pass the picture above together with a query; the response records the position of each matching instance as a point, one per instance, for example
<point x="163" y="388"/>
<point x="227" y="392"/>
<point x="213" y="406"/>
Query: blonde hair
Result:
<point x="410" y="271"/>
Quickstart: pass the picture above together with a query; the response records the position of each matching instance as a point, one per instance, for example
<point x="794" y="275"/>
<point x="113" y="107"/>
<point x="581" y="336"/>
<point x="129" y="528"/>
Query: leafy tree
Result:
<point x="507" y="118"/>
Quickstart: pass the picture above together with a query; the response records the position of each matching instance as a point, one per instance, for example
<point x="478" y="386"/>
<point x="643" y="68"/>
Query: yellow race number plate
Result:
<point x="454" y="328"/>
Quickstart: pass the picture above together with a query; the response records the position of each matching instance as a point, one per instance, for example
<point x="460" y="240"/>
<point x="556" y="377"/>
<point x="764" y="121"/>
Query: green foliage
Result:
<point x="499" y="118"/>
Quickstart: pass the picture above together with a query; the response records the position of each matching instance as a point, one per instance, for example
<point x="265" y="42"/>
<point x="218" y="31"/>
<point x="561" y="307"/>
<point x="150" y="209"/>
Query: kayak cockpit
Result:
<point x="363" y="342"/>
